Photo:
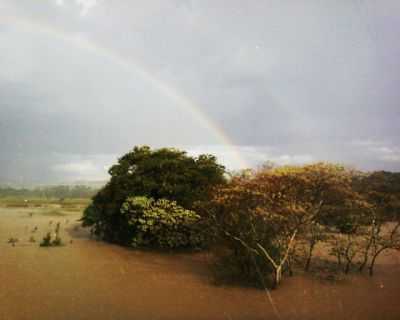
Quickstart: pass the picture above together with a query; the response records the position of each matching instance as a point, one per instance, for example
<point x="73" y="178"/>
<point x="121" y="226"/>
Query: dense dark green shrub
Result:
<point x="158" y="174"/>
<point x="161" y="224"/>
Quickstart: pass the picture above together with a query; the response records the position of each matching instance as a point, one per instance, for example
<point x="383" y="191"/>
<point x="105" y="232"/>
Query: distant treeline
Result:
<point x="60" y="192"/>
<point x="380" y="181"/>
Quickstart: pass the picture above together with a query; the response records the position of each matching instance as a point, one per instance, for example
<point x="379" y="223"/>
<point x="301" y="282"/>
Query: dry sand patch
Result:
<point x="93" y="280"/>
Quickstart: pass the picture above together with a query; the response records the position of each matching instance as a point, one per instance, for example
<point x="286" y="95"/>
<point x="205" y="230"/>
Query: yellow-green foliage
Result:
<point x="161" y="223"/>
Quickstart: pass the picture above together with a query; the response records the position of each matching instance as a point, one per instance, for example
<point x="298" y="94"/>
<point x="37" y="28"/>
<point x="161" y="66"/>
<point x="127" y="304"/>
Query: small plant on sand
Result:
<point x="57" y="241"/>
<point x="49" y="242"/>
<point x="52" y="240"/>
<point x="46" y="242"/>
<point x="13" y="241"/>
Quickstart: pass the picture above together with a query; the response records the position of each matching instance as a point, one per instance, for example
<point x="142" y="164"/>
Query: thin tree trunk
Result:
<point x="366" y="252"/>
<point x="365" y="258"/>
<point x="347" y="256"/>
<point x="347" y="268"/>
<point x="278" y="276"/>
<point x="278" y="267"/>
<point x="372" y="264"/>
<point x="289" y="265"/>
<point x="309" y="256"/>
<point x="339" y="258"/>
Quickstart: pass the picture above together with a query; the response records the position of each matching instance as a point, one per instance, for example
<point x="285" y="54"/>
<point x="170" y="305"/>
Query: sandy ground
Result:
<point x="87" y="279"/>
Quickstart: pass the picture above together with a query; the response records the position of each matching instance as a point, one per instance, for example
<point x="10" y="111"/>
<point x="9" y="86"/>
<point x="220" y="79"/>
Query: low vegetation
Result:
<point x="13" y="241"/>
<point x="52" y="239"/>
<point x="261" y="225"/>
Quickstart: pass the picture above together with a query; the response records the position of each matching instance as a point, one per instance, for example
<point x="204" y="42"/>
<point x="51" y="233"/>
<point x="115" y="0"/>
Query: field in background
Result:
<point x="87" y="279"/>
<point x="20" y="202"/>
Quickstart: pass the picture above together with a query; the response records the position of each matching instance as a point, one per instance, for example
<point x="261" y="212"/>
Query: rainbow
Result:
<point x="178" y="98"/>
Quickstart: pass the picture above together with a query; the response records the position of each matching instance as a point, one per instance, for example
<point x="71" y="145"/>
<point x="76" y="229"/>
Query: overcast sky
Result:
<point x="83" y="81"/>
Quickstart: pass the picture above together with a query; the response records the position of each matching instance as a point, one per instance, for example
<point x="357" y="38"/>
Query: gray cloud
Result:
<point x="287" y="81"/>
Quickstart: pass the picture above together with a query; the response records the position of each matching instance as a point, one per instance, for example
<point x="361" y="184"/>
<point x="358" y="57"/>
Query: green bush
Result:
<point x="158" y="174"/>
<point x="161" y="224"/>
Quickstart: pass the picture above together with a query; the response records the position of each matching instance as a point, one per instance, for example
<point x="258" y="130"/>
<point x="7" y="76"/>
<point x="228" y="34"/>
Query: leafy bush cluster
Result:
<point x="161" y="223"/>
<point x="167" y="174"/>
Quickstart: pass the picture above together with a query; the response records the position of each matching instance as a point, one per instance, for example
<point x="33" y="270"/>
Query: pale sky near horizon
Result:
<point x="83" y="81"/>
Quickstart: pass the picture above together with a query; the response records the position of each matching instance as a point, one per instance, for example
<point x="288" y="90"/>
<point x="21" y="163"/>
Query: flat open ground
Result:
<point x="87" y="279"/>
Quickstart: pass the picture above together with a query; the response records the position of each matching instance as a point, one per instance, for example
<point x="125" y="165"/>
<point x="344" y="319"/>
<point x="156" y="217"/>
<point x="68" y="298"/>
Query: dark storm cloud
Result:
<point x="287" y="81"/>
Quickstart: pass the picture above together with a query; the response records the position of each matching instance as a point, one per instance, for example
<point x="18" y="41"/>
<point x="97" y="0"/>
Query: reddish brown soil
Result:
<point x="93" y="280"/>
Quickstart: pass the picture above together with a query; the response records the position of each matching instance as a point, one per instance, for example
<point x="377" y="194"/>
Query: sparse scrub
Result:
<point x="13" y="241"/>
<point x="46" y="242"/>
<point x="52" y="239"/>
<point x="57" y="241"/>
<point x="263" y="215"/>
